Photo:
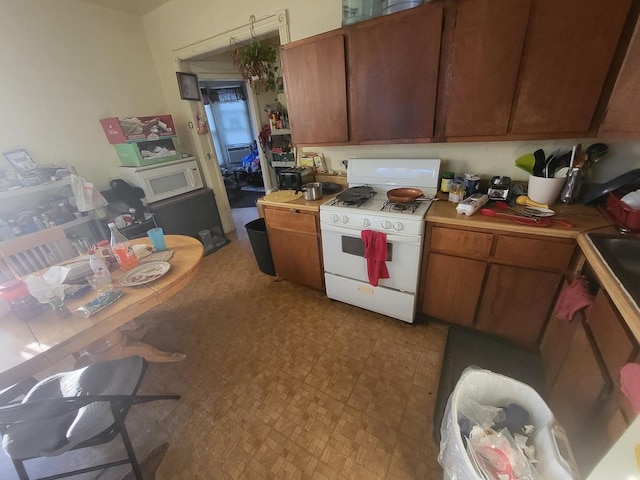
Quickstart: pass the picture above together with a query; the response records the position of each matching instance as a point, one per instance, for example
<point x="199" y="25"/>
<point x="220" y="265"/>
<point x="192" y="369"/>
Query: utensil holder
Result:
<point x="571" y="189"/>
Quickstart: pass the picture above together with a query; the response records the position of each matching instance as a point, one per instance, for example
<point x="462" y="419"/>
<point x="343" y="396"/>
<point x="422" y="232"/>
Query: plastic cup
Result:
<point x="81" y="245"/>
<point x="157" y="239"/>
<point x="545" y="190"/>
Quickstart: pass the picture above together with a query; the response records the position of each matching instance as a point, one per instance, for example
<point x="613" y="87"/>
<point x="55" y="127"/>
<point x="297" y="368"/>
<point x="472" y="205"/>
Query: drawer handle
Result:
<point x="293" y="210"/>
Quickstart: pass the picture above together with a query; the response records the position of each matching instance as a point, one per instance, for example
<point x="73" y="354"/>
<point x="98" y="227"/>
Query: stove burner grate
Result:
<point x="354" y="196"/>
<point x="390" y="206"/>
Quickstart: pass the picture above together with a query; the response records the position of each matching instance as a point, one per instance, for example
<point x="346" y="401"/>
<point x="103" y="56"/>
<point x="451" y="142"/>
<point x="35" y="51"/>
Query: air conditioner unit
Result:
<point x="235" y="153"/>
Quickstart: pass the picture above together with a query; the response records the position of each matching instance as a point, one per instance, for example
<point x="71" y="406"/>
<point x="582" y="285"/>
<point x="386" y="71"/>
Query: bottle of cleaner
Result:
<point x="122" y="249"/>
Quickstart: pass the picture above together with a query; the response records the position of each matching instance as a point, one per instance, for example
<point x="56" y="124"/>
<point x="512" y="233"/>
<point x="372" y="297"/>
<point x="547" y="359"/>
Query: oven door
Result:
<point x="343" y="252"/>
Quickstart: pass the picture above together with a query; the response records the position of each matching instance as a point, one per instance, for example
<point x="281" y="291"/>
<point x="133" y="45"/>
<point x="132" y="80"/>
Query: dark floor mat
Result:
<point x="465" y="349"/>
<point x="242" y="199"/>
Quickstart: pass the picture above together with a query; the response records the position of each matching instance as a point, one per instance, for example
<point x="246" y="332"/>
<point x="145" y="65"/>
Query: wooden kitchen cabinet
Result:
<point x="622" y="118"/>
<point x="502" y="284"/>
<point x="393" y="76"/>
<point x="567" y="56"/>
<point x="487" y="47"/>
<point x="316" y="86"/>
<point x="294" y="238"/>
<point x="516" y="302"/>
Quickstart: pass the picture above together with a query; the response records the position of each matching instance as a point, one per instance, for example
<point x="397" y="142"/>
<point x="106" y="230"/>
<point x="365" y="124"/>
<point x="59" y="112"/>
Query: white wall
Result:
<point x="67" y="64"/>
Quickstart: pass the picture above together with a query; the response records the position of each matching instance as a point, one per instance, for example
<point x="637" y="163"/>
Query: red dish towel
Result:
<point x="573" y="298"/>
<point x="375" y="251"/>
<point x="630" y="384"/>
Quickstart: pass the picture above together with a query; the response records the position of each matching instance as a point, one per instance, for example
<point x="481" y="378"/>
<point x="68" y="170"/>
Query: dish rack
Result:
<point x="622" y="213"/>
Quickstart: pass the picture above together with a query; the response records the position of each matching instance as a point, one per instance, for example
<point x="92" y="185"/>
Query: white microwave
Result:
<point x="164" y="180"/>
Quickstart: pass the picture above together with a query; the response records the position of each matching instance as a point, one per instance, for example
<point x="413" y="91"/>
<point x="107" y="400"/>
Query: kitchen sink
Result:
<point x="622" y="255"/>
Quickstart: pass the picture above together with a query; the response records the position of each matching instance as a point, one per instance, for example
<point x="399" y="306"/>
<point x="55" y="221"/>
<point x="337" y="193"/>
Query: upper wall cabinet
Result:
<point x="528" y="68"/>
<point x="393" y="76"/>
<point x="316" y="86"/>
<point x="487" y="46"/>
<point x="622" y="118"/>
<point x="568" y="51"/>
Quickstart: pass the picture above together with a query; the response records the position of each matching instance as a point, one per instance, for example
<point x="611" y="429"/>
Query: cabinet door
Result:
<point x="316" y="87"/>
<point x="623" y="115"/>
<point x="568" y="51"/>
<point x="579" y="387"/>
<point x="296" y="257"/>
<point x="487" y="46"/>
<point x="393" y="75"/>
<point x="553" y="346"/>
<point x="516" y="302"/>
<point x="614" y="342"/>
<point x="453" y="287"/>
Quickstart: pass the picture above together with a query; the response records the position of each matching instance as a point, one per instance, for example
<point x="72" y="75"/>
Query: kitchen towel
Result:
<point x="375" y="251"/>
<point x="573" y="298"/>
<point x="630" y="384"/>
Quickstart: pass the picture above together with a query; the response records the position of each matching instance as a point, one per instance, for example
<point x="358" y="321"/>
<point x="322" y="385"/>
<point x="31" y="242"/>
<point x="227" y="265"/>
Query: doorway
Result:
<point x="233" y="137"/>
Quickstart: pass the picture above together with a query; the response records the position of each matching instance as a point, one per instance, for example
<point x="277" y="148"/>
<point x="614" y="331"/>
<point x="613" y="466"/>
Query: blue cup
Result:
<point x="157" y="239"/>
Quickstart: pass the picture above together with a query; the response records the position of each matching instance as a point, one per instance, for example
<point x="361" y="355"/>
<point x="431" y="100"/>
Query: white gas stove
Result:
<point x="364" y="206"/>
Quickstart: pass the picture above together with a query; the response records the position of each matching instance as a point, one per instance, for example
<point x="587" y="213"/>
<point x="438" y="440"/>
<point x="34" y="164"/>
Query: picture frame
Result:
<point x="21" y="160"/>
<point x="188" y="86"/>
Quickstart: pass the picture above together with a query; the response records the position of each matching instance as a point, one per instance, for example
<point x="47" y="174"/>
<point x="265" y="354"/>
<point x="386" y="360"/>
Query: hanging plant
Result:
<point x="257" y="65"/>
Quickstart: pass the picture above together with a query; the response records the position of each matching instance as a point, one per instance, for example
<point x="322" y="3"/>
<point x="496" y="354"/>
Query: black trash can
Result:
<point x="257" y="231"/>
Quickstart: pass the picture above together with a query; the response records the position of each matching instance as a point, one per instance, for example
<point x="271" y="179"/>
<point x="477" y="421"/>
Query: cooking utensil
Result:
<point x="330" y="187"/>
<point x="539" y="163"/>
<point x="596" y="151"/>
<point x="503" y="206"/>
<point x="547" y="171"/>
<point x="524" y="200"/>
<point x="404" y="195"/>
<point x="536" y="222"/>
<point x="312" y="191"/>
<point x="526" y="162"/>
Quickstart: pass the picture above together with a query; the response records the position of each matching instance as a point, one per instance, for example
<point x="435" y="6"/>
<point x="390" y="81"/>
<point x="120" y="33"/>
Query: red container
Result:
<point x="622" y="213"/>
<point x="123" y="130"/>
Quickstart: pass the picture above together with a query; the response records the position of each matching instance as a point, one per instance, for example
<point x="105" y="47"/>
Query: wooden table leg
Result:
<point x="119" y="344"/>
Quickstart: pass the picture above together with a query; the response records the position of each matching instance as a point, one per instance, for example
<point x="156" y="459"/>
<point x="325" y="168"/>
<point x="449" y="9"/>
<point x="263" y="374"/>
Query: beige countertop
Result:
<point x="300" y="203"/>
<point x="584" y="218"/>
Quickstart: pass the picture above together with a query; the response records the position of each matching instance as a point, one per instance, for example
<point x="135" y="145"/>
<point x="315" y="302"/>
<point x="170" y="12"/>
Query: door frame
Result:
<point x="186" y="58"/>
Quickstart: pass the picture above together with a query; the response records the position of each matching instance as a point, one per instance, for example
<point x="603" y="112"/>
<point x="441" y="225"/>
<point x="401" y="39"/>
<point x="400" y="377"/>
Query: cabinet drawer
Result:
<point x="291" y="220"/>
<point x="615" y="344"/>
<point x="461" y="242"/>
<point x="533" y="252"/>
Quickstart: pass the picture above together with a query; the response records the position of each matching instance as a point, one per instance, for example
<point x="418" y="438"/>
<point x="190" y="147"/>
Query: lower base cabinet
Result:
<point x="582" y="361"/>
<point x="294" y="238"/>
<point x="496" y="282"/>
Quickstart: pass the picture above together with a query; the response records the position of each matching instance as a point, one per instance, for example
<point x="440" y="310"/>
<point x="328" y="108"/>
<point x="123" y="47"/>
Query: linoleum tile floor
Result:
<point x="280" y="382"/>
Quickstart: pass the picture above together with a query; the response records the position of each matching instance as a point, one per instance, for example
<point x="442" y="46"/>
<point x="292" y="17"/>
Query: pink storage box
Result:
<point x="123" y="130"/>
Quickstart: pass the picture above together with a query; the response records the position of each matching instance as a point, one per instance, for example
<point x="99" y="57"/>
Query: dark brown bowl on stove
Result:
<point x="404" y="195"/>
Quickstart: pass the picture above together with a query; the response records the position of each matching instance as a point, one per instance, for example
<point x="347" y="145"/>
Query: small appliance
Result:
<point x="294" y="178"/>
<point x="499" y="188"/>
<point x="165" y="180"/>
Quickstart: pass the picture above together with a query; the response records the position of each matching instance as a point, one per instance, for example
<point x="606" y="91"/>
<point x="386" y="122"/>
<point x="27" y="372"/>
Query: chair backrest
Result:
<point x="35" y="251"/>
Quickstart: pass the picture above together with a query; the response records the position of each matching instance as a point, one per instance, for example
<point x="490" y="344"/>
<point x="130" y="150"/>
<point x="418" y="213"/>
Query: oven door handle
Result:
<point x="410" y="239"/>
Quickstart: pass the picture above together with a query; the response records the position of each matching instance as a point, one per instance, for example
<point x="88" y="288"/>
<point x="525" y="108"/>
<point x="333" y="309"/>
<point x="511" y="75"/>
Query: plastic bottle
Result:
<point x="100" y="270"/>
<point x="456" y="194"/>
<point x="122" y="249"/>
<point x="445" y="183"/>
<point x="58" y="305"/>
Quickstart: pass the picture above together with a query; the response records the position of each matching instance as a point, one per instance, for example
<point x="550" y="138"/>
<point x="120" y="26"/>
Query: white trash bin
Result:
<point x="555" y="458"/>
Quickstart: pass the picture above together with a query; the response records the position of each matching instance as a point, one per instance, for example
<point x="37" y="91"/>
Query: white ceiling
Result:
<point x="137" y="7"/>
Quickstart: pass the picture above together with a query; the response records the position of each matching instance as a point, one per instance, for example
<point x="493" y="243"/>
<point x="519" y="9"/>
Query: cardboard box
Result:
<point x="122" y="130"/>
<point x="143" y="153"/>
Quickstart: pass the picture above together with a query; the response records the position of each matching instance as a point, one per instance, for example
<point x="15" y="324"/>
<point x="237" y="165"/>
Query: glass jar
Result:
<point x="447" y="180"/>
<point x="456" y="194"/>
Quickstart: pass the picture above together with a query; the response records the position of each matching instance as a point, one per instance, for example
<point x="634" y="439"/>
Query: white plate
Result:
<point x="144" y="274"/>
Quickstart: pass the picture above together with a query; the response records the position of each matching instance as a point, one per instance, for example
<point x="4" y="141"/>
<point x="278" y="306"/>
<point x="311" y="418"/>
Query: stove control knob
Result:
<point x="386" y="224"/>
<point x="365" y="222"/>
<point x="398" y="227"/>
<point x="334" y="218"/>
<point x="344" y="219"/>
